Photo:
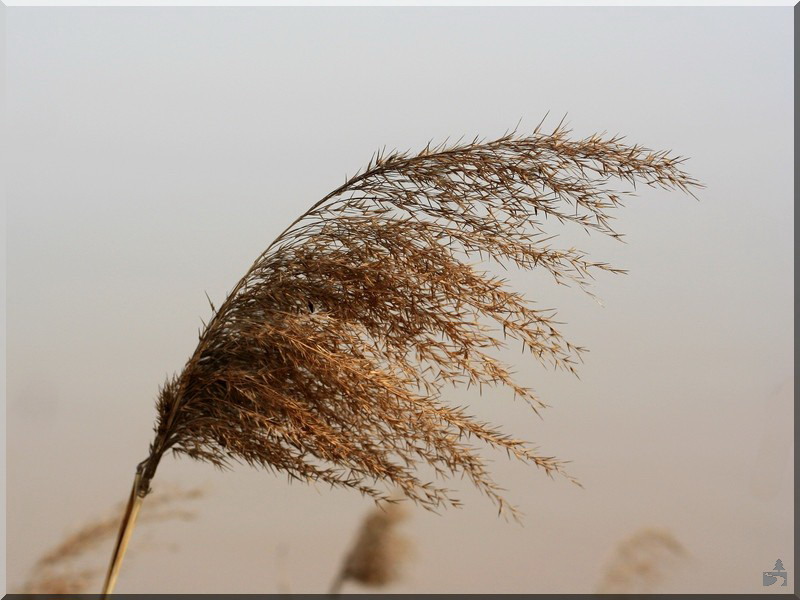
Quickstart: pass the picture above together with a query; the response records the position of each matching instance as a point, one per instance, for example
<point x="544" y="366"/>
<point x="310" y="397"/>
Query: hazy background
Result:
<point x="156" y="152"/>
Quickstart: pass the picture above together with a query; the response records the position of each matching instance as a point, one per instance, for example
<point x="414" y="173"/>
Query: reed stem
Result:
<point x="125" y="532"/>
<point x="336" y="585"/>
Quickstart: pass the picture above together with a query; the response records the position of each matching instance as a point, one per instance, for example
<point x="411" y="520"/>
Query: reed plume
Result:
<point x="641" y="562"/>
<point x="58" y="571"/>
<point x="327" y="360"/>
<point x="378" y="551"/>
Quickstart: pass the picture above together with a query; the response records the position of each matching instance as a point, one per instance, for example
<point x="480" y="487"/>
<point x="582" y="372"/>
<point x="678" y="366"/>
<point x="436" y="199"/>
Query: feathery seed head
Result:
<point x="328" y="359"/>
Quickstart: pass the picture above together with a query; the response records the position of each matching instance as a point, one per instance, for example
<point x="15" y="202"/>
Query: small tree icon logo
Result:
<point x="770" y="577"/>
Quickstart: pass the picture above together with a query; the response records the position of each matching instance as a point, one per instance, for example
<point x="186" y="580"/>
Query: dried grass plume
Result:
<point x="641" y="562"/>
<point x="71" y="566"/>
<point x="327" y="360"/>
<point x="379" y="550"/>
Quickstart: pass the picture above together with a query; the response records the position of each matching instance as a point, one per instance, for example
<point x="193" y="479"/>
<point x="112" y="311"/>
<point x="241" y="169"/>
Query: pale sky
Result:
<point x="157" y="152"/>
